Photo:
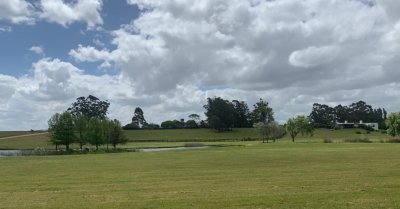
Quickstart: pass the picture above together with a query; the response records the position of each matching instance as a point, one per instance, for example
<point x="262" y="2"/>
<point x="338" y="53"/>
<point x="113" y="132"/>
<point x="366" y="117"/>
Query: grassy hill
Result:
<point x="165" y="138"/>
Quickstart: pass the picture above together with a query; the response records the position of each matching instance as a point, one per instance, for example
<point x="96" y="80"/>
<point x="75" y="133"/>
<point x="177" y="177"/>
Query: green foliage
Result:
<point x="89" y="107"/>
<point x="262" y="112"/>
<point x="80" y="124"/>
<point x="191" y="124"/>
<point x="241" y="114"/>
<point x="299" y="124"/>
<point x="220" y="113"/>
<point x="117" y="136"/>
<point x="172" y="124"/>
<point x="393" y="124"/>
<point x="95" y="133"/>
<point x="138" y="118"/>
<point x="61" y="129"/>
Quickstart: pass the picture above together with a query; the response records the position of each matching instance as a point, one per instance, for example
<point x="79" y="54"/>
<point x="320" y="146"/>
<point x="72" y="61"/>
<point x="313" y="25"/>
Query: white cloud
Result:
<point x="63" y="13"/>
<point x="17" y="11"/>
<point x="37" y="49"/>
<point x="5" y="29"/>
<point x="313" y="56"/>
<point x="178" y="53"/>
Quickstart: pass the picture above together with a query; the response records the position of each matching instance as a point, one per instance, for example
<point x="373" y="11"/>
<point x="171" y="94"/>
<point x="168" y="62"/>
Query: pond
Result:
<point x="171" y="149"/>
<point x="8" y="153"/>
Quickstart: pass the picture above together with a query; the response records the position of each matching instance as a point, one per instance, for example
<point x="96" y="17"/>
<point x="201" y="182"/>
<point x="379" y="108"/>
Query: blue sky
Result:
<point x="168" y="56"/>
<point x="56" y="40"/>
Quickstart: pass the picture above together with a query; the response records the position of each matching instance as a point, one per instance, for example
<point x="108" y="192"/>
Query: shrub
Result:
<point x="368" y="132"/>
<point x="394" y="140"/>
<point x="328" y="141"/>
<point x="358" y="132"/>
<point x="358" y="140"/>
<point x="193" y="144"/>
<point x="383" y="131"/>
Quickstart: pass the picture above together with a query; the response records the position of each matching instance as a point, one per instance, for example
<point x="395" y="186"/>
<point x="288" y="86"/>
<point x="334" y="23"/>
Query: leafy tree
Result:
<point x="89" y="107"/>
<point x="242" y="115"/>
<point x="261" y="129"/>
<point x="195" y="117"/>
<point x="271" y="130"/>
<point x="81" y="127"/>
<point x="116" y="134"/>
<point x="322" y="116"/>
<point x="130" y="126"/>
<point x="107" y="127"/>
<point x="174" y="124"/>
<point x="191" y="124"/>
<point x="151" y="126"/>
<point x="262" y="112"/>
<point x="61" y="128"/>
<point x="393" y="124"/>
<point x="138" y="118"/>
<point x="220" y="113"/>
<point x="95" y="133"/>
<point x="299" y="124"/>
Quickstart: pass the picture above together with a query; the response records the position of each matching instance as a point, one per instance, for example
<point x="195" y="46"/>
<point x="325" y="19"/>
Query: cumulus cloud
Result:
<point x="177" y="53"/>
<point x="17" y="11"/>
<point x="37" y="49"/>
<point x="63" y="13"/>
<point x="5" y="29"/>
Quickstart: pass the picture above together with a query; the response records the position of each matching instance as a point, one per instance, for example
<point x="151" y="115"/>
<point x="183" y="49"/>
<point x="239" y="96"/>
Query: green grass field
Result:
<point x="280" y="175"/>
<point x="162" y="138"/>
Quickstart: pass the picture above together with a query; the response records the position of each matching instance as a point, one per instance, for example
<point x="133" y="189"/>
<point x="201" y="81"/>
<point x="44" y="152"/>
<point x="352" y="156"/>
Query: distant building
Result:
<point x="357" y="125"/>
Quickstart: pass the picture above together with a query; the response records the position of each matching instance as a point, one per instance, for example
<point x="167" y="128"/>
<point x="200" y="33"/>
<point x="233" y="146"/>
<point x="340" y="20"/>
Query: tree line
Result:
<point x="86" y="122"/>
<point x="324" y="116"/>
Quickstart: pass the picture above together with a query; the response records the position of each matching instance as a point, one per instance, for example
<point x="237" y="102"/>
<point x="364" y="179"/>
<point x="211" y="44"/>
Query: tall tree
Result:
<point x="393" y="124"/>
<point x="138" y="118"/>
<point x="81" y="123"/>
<point x="220" y="113"/>
<point x="61" y="128"/>
<point x="299" y="124"/>
<point x="262" y="112"/>
<point x="117" y="135"/>
<point x="195" y="117"/>
<point x="95" y="133"/>
<point x="90" y="107"/>
<point x="242" y="115"/>
<point x="322" y="116"/>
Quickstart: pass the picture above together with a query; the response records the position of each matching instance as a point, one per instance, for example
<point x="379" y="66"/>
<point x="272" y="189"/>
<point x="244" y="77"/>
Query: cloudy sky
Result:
<point x="169" y="56"/>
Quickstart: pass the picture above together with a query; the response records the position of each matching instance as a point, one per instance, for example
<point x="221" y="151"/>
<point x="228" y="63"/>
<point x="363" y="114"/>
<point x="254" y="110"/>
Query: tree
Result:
<point x="261" y="129"/>
<point x="89" y="107"/>
<point x="117" y="135"/>
<point x="81" y="123"/>
<point x="299" y="124"/>
<point x="322" y="116"/>
<point x="138" y="118"/>
<point x="393" y="124"/>
<point x="242" y="115"/>
<point x="271" y="130"/>
<point x="262" y="112"/>
<point x="95" y="133"/>
<point x="61" y="128"/>
<point x="191" y="124"/>
<point x="220" y="113"/>
<point x="195" y="117"/>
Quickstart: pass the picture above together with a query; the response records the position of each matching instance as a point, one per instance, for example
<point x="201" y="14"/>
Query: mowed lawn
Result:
<point x="281" y="175"/>
<point x="167" y="138"/>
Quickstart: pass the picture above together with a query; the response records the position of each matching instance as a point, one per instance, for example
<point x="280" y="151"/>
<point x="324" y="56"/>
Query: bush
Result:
<point x="394" y="140"/>
<point x="358" y="140"/>
<point x="367" y="128"/>
<point x="383" y="131"/>
<point x="368" y="132"/>
<point x="193" y="144"/>
<point x="358" y="132"/>
<point x="328" y="141"/>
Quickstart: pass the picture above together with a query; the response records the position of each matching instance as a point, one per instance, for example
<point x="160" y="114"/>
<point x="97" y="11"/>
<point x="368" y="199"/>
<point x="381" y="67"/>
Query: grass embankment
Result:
<point x="281" y="175"/>
<point x="170" y="138"/>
